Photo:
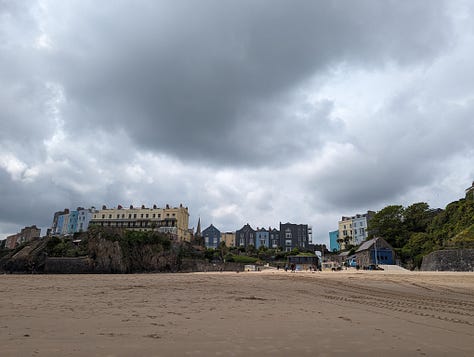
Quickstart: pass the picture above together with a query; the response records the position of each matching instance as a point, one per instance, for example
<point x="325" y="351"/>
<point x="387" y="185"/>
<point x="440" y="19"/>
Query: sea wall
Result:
<point x="63" y="265"/>
<point x="449" y="260"/>
<point x="194" y="265"/>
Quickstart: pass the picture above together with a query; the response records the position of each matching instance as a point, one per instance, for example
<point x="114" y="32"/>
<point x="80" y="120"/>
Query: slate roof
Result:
<point x="366" y="245"/>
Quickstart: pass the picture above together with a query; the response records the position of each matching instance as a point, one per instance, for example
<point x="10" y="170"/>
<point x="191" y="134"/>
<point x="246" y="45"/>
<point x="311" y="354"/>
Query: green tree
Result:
<point x="389" y="224"/>
<point x="417" y="217"/>
<point x="222" y="249"/>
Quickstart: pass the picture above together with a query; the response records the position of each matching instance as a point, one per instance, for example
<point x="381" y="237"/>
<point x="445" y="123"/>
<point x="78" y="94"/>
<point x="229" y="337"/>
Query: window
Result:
<point x="288" y="242"/>
<point x="141" y="216"/>
<point x="118" y="216"/>
<point x="103" y="216"/>
<point x="146" y="216"/>
<point x="134" y="215"/>
<point x="129" y="215"/>
<point x="154" y="215"/>
<point x="174" y="214"/>
<point x="110" y="216"/>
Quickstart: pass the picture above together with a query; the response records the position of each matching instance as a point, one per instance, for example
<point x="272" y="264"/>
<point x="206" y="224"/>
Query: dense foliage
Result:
<point x="417" y="230"/>
<point x="132" y="239"/>
<point x="65" y="247"/>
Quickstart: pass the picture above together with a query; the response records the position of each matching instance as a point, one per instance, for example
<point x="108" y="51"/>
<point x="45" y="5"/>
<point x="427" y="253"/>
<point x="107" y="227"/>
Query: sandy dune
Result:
<point x="238" y="314"/>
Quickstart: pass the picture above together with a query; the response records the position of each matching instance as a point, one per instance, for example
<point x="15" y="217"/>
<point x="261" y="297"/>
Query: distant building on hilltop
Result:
<point x="171" y="220"/>
<point x="262" y="238"/>
<point x="293" y="236"/>
<point x="212" y="237"/>
<point x="274" y="238"/>
<point x="70" y="222"/>
<point x="27" y="234"/>
<point x="245" y="236"/>
<point x="228" y="238"/>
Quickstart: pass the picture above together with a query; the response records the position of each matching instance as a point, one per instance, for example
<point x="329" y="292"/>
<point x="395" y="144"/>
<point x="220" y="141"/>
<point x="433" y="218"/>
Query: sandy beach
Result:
<point x="272" y="313"/>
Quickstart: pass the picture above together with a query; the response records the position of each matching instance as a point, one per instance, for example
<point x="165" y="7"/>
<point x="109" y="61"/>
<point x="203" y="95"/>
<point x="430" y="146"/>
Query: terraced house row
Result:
<point x="175" y="221"/>
<point x="287" y="238"/>
<point x="171" y="220"/>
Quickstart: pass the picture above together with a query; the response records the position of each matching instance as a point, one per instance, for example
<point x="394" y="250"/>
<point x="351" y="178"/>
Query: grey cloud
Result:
<point x="406" y="145"/>
<point x="220" y="84"/>
<point x="189" y="80"/>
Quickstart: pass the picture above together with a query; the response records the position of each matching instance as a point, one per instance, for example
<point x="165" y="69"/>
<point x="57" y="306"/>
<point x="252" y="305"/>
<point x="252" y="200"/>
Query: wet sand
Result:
<point x="271" y="313"/>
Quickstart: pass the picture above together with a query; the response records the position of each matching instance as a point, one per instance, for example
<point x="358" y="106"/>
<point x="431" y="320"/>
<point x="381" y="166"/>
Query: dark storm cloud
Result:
<point x="191" y="78"/>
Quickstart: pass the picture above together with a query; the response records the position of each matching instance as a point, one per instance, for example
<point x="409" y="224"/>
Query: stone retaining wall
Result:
<point x="449" y="260"/>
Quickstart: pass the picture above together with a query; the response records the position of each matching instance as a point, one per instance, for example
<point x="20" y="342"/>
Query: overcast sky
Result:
<point x="244" y="111"/>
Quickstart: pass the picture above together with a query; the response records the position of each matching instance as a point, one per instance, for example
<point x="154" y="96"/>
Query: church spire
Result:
<point x="198" y="229"/>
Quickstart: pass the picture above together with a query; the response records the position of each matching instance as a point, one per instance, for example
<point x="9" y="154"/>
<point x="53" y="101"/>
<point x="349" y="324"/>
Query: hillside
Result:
<point x="418" y="230"/>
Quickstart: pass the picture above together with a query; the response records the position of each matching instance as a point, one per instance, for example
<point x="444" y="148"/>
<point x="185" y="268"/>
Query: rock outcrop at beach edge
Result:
<point x="26" y="259"/>
<point x="109" y="256"/>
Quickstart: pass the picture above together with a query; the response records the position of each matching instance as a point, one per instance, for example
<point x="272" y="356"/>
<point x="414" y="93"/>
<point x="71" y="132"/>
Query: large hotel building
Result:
<point x="173" y="220"/>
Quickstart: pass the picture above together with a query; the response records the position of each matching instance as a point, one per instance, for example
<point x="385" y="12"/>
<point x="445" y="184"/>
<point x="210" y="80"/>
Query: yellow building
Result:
<point x="345" y="231"/>
<point x="172" y="220"/>
<point x="228" y="238"/>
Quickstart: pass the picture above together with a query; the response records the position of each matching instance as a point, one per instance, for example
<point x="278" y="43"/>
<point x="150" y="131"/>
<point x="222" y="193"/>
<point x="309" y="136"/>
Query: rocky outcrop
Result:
<point x="108" y="255"/>
<point x="110" y="250"/>
<point x="25" y="259"/>
<point x="449" y="260"/>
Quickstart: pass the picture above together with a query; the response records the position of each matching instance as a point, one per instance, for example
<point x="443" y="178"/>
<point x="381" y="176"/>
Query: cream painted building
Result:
<point x="354" y="230"/>
<point x="228" y="238"/>
<point x="345" y="231"/>
<point x="173" y="220"/>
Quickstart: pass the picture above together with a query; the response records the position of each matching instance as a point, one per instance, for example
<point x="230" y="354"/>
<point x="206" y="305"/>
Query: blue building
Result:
<point x="60" y="224"/>
<point x="84" y="217"/>
<point x="333" y="244"/>
<point x="262" y="238"/>
<point x="375" y="251"/>
<point x="212" y="237"/>
<point x="72" y="224"/>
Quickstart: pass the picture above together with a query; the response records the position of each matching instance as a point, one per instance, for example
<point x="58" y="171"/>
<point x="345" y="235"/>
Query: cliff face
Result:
<point x="110" y="251"/>
<point x="29" y="258"/>
<point x="102" y="251"/>
<point x="116" y="256"/>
